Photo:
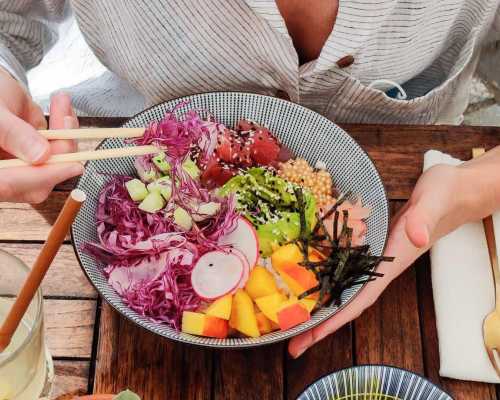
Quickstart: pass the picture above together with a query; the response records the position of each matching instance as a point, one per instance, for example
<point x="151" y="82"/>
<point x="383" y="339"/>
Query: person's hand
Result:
<point x="444" y="198"/>
<point x="20" y="118"/>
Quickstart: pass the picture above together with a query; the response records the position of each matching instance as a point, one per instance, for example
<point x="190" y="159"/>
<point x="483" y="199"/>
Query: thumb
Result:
<point x="20" y="139"/>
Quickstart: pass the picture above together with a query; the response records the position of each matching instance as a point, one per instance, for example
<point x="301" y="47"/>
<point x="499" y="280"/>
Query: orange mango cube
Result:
<point x="204" y="325"/>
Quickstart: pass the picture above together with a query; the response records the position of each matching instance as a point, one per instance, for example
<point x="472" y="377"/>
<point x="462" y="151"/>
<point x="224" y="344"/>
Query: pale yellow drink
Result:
<point x="25" y="366"/>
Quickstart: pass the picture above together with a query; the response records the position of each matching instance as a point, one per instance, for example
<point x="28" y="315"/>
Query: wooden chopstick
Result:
<point x="92" y="133"/>
<point x="87" y="155"/>
<point x="49" y="250"/>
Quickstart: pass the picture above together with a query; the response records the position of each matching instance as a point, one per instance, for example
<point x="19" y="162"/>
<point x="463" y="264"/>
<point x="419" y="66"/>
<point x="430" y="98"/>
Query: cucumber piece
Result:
<point x="183" y="219"/>
<point x="191" y="168"/>
<point x="163" y="186"/>
<point x="136" y="189"/>
<point x="206" y="210"/>
<point x="161" y="163"/>
<point x="153" y="202"/>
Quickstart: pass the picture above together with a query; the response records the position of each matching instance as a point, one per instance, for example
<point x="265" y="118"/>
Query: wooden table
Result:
<point x="95" y="350"/>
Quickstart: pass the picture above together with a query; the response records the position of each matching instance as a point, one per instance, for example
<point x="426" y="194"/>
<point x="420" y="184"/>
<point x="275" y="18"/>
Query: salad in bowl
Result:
<point x="225" y="233"/>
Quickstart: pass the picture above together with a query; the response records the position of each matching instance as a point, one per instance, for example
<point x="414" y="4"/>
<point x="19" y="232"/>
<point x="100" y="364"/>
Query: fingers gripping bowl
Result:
<point x="311" y="138"/>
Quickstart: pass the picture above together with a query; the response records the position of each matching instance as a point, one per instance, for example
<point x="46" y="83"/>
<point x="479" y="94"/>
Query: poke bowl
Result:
<point x="256" y="220"/>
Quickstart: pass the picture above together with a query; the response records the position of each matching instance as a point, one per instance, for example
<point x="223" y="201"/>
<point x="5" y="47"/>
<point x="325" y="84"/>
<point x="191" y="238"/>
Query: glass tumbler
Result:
<point x="26" y="369"/>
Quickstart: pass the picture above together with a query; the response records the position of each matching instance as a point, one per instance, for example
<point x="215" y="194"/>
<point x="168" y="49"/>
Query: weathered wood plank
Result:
<point x="459" y="390"/>
<point x="388" y="332"/>
<point x="71" y="378"/>
<point x="69" y="327"/>
<point x="398" y="150"/>
<point x="21" y="221"/>
<point x="154" y="368"/>
<point x="251" y="374"/>
<point x="65" y="276"/>
<point x="332" y="353"/>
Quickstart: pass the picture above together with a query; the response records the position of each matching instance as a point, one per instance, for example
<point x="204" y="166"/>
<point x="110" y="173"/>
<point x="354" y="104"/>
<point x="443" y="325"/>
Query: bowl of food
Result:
<point x="373" y="382"/>
<point x="256" y="220"/>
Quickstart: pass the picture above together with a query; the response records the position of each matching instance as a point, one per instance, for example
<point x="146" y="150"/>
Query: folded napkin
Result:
<point x="462" y="284"/>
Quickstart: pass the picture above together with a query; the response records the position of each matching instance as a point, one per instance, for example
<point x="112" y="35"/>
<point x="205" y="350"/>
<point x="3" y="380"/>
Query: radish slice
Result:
<point x="244" y="239"/>
<point x="246" y="269"/>
<point x="217" y="273"/>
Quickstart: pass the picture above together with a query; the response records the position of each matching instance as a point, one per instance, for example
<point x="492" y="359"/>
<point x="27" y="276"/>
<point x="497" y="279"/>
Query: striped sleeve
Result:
<point x="490" y="57"/>
<point x="28" y="28"/>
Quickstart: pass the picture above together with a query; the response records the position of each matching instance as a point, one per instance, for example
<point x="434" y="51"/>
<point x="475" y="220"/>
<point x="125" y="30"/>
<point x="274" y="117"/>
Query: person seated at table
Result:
<point x="389" y="61"/>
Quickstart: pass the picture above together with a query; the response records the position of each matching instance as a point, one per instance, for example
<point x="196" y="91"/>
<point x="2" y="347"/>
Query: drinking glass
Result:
<point x="26" y="369"/>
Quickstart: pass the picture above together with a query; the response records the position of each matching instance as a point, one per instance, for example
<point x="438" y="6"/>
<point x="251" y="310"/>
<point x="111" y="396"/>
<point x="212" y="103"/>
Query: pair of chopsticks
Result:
<point x="100" y="154"/>
<point x="42" y="263"/>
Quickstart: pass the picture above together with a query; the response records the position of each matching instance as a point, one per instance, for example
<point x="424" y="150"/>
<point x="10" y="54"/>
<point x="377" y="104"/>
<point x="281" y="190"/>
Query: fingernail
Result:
<point x="69" y="122"/>
<point x="37" y="151"/>
<point x="299" y="352"/>
<point x="77" y="169"/>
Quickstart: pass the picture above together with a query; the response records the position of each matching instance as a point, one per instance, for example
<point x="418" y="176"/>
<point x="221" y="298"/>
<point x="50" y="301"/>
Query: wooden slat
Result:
<point x="71" y="378"/>
<point x="69" y="327"/>
<point x="331" y="354"/>
<point x="251" y="374"/>
<point x="460" y="390"/>
<point x="65" y="276"/>
<point x="21" y="221"/>
<point x="388" y="332"/>
<point x="154" y="368"/>
<point x="398" y="150"/>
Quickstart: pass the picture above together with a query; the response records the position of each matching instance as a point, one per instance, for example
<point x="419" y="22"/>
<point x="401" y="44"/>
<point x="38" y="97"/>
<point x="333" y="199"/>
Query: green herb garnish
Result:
<point x="345" y="265"/>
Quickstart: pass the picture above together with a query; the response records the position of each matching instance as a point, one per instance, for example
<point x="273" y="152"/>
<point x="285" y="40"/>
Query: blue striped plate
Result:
<point x="373" y="382"/>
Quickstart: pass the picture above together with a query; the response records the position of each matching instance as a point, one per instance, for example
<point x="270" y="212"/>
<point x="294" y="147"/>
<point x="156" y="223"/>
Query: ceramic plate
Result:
<point x="373" y="382"/>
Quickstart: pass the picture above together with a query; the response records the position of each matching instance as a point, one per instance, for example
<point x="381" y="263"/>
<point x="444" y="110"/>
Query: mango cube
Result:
<point x="260" y="283"/>
<point x="263" y="323"/>
<point x="243" y="316"/>
<point x="204" y="325"/>
<point x="270" y="304"/>
<point x="292" y="315"/>
<point x="221" y="308"/>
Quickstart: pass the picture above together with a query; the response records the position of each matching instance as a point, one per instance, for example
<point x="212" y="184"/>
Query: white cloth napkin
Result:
<point x="462" y="284"/>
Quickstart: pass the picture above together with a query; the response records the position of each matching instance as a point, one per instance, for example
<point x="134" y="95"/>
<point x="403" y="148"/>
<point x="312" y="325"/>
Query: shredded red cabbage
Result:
<point x="148" y="258"/>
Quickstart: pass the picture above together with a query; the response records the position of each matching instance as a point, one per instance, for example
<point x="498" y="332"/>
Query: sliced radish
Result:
<point x="246" y="269"/>
<point x="217" y="273"/>
<point x="244" y="239"/>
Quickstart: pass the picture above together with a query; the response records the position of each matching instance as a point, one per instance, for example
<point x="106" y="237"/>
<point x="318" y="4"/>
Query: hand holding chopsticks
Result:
<point x="89" y="155"/>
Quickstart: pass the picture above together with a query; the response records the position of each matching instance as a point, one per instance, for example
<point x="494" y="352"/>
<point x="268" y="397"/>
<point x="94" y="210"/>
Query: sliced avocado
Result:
<point x="136" y="189"/>
<point x="161" y="163"/>
<point x="153" y="202"/>
<point x="163" y="186"/>
<point x="270" y="237"/>
<point x="183" y="219"/>
<point x="289" y="225"/>
<point x="191" y="168"/>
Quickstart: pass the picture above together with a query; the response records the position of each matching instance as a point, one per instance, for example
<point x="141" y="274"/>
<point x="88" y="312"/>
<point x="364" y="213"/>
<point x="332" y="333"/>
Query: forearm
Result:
<point x="27" y="30"/>
<point x="480" y="185"/>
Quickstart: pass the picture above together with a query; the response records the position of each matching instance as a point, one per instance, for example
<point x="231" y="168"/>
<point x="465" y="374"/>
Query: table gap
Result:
<point x="95" y="344"/>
